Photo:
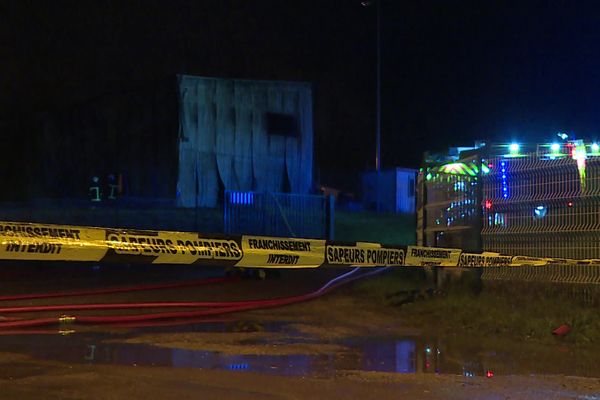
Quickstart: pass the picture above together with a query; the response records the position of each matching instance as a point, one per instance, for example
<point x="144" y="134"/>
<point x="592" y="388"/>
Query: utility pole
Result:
<point x="368" y="3"/>
<point x="378" y="94"/>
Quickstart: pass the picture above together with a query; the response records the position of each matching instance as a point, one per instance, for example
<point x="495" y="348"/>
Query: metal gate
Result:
<point x="277" y="214"/>
<point x="543" y="206"/>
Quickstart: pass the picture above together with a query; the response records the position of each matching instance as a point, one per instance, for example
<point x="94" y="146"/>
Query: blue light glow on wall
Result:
<point x="242" y="198"/>
<point x="238" y="367"/>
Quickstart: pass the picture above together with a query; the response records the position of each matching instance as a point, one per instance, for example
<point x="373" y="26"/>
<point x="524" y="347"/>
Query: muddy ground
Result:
<point x="23" y="378"/>
<point x="324" y="330"/>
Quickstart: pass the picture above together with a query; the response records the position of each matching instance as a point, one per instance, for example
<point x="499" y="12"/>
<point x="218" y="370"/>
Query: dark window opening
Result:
<point x="282" y="124"/>
<point x="411" y="187"/>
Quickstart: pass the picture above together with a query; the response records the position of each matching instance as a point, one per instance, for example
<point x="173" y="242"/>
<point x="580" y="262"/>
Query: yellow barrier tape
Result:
<point x="272" y="252"/>
<point x="25" y="241"/>
<point x="485" y="259"/>
<point x="363" y="255"/>
<point x="50" y="242"/>
<point x="171" y="247"/>
<point x="431" y="256"/>
<point x="524" y="260"/>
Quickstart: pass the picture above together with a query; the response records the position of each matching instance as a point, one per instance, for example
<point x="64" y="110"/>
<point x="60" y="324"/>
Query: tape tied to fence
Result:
<point x="50" y="242"/>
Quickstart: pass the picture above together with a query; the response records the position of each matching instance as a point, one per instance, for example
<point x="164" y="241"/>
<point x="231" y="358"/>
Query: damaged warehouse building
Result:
<point x="182" y="141"/>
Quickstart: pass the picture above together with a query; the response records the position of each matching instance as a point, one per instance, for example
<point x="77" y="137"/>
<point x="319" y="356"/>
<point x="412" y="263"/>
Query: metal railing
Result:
<point x="125" y="212"/>
<point x="276" y="214"/>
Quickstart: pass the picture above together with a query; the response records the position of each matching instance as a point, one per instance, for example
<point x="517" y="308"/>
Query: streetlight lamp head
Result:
<point x="365" y="3"/>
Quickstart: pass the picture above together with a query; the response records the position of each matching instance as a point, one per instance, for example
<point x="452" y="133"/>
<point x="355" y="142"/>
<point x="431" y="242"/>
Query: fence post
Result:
<point x="279" y="214"/>
<point x="226" y="211"/>
<point x="330" y="217"/>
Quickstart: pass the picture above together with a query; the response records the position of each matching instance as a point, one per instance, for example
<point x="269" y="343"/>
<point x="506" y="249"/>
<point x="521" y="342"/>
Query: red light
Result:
<point x="488" y="204"/>
<point x="489" y="374"/>
<point x="427" y="364"/>
<point x="490" y="165"/>
<point x="570" y="204"/>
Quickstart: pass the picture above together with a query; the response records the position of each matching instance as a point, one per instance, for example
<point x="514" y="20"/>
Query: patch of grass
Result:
<point x="523" y="312"/>
<point x="523" y="317"/>
<point x="386" y="287"/>
<point x="393" y="229"/>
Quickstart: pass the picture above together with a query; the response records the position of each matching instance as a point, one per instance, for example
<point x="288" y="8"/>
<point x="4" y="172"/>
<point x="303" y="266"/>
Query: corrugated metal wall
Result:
<point x="183" y="139"/>
<point x="405" y="190"/>
<point x="224" y="138"/>
<point x="395" y="189"/>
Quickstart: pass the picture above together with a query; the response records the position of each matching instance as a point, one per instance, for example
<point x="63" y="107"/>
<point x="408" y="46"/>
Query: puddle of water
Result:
<point x="407" y="355"/>
<point x="427" y="354"/>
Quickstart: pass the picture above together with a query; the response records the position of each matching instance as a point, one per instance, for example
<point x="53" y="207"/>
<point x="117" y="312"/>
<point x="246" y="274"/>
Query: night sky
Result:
<point x="452" y="71"/>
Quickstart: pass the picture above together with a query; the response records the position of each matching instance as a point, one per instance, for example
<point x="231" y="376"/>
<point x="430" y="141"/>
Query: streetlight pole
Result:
<point x="378" y="94"/>
<point x="367" y="3"/>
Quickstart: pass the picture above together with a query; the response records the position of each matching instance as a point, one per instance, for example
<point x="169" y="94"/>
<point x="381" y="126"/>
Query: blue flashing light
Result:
<point x="555" y="147"/>
<point x="504" y="180"/>
<point x="540" y="212"/>
<point x="514" y="148"/>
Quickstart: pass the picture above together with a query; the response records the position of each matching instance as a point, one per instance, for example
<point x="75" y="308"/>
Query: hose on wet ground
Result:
<point x="122" y="306"/>
<point x="126" y="289"/>
<point x="219" y="308"/>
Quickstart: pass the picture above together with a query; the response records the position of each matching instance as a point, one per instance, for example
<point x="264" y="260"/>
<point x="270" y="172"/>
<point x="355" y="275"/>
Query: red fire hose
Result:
<point x="219" y="307"/>
<point x="136" y="288"/>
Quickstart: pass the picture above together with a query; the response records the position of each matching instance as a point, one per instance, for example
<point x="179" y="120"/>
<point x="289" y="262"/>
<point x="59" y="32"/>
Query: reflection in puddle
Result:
<point x="407" y="355"/>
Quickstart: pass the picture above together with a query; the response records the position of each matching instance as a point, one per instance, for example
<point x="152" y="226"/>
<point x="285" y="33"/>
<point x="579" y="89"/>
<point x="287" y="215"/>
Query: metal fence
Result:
<point x="131" y="213"/>
<point x="269" y="214"/>
<point x="450" y="197"/>
<point x="555" y="273"/>
<point x="540" y="206"/>
<point x="277" y="214"/>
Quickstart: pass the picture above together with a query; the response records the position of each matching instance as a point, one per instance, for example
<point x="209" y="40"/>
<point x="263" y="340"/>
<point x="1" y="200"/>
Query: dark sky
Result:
<point x="452" y="71"/>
